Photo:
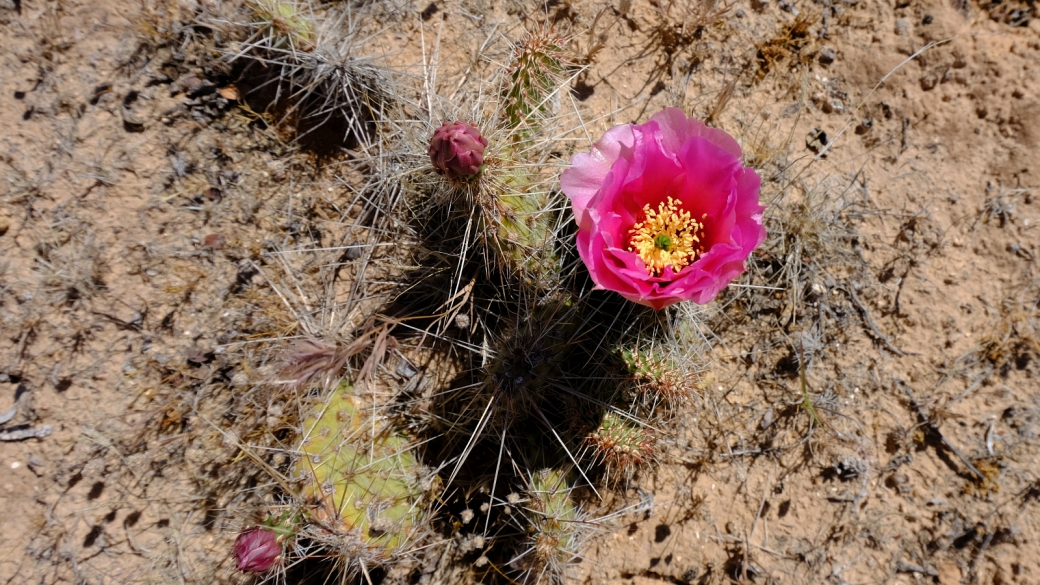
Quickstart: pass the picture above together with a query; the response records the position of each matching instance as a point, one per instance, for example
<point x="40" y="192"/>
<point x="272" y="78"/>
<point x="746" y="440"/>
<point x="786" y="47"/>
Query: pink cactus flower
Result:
<point x="457" y="150"/>
<point x="666" y="211"/>
<point x="257" y="550"/>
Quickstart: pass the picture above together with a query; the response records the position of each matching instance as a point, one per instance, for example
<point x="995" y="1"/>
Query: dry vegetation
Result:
<point x="218" y="215"/>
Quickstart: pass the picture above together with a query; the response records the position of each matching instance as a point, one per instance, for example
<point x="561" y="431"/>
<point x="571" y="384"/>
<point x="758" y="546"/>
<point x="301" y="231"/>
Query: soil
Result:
<point x="900" y="147"/>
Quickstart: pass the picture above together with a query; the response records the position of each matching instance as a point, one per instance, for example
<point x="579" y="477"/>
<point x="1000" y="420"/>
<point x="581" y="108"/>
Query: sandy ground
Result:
<point x="138" y="194"/>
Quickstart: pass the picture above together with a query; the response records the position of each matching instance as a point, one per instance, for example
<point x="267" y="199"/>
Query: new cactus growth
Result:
<point x="643" y="366"/>
<point x="521" y="226"/>
<point x="536" y="73"/>
<point x="554" y="530"/>
<point x="659" y="377"/>
<point x="359" y="479"/>
<point x="620" y="444"/>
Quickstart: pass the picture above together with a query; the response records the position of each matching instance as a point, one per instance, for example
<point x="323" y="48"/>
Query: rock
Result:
<point x="827" y="55"/>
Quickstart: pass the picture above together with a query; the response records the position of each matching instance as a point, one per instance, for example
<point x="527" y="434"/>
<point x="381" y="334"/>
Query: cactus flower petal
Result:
<point x="457" y="150"/>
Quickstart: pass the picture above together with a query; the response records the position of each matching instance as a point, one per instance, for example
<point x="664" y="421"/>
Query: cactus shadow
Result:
<point x="316" y="121"/>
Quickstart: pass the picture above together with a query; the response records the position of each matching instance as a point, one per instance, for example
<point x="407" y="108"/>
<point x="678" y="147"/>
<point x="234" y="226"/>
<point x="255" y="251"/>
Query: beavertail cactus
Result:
<point x="257" y="550"/>
<point x="359" y="479"/>
<point x="457" y="150"/>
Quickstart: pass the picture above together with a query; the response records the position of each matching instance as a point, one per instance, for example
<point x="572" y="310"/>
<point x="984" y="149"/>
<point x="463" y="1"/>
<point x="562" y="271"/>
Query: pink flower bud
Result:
<point x="257" y="550"/>
<point x="457" y="149"/>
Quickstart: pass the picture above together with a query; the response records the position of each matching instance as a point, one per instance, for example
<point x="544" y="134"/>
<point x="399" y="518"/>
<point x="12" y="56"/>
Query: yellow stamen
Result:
<point x="668" y="236"/>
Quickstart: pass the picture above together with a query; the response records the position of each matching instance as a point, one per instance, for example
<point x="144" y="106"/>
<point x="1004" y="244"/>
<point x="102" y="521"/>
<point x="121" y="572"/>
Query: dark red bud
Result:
<point x="457" y="150"/>
<point x="257" y="550"/>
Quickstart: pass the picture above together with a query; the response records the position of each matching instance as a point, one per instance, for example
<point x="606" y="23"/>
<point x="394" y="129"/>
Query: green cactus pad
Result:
<point x="358" y="477"/>
<point x="553" y="510"/>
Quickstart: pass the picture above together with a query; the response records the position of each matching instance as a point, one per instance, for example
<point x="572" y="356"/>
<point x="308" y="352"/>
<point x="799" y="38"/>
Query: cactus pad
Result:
<point x="357" y="476"/>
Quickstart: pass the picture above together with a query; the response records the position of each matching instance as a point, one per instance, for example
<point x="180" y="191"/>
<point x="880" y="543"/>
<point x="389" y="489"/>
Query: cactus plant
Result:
<point x="658" y="377"/>
<point x="621" y="445"/>
<point x="555" y="532"/>
<point x="536" y="74"/>
<point x="359" y="479"/>
<point x="283" y="25"/>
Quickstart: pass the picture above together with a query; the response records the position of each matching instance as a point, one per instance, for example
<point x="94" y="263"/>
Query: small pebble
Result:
<point x="214" y="241"/>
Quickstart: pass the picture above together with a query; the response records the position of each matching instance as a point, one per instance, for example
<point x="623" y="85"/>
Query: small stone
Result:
<point x="230" y="440"/>
<point x="130" y="119"/>
<point x="816" y="140"/>
<point x="239" y="380"/>
<point x="229" y="92"/>
<point x="353" y="251"/>
<point x="827" y="55"/>
<point x="405" y="369"/>
<point x="214" y="241"/>
<point x="902" y="27"/>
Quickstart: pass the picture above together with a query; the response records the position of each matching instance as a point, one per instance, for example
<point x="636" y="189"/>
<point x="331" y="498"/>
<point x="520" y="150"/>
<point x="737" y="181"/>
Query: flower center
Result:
<point x="667" y="236"/>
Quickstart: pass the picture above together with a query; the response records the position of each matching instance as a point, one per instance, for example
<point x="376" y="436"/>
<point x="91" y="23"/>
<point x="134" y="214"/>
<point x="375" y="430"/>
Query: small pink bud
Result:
<point x="257" y="550"/>
<point x="457" y="149"/>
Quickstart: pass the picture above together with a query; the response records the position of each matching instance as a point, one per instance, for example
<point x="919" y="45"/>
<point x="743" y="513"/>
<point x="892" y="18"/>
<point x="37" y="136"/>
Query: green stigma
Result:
<point x="663" y="242"/>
